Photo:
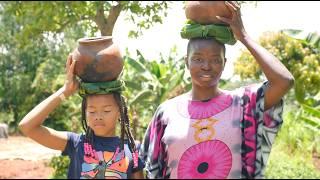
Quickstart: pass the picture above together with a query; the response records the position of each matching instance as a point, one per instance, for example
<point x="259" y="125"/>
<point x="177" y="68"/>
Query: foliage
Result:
<point x="301" y="58"/>
<point x="149" y="83"/>
<point x="17" y="69"/>
<point x="291" y="155"/>
<point x="56" y="16"/>
<point x="60" y="165"/>
<point x="311" y="117"/>
<point x="295" y="136"/>
<point x="246" y="68"/>
<point x="290" y="166"/>
<point x="308" y="38"/>
<point x="30" y="73"/>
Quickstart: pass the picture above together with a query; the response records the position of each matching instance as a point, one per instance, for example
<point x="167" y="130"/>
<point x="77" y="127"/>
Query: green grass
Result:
<point x="284" y="165"/>
<point x="291" y="155"/>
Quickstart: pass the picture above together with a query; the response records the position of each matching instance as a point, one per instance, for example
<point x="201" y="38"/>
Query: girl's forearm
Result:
<point x="38" y="114"/>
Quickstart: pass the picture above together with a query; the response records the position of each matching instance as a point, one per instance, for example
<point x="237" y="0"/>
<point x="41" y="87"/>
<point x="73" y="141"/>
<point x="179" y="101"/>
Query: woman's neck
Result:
<point x="199" y="93"/>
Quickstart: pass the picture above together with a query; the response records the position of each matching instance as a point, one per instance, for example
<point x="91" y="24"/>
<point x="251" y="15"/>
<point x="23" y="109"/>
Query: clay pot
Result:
<point x="205" y="12"/>
<point x="98" y="59"/>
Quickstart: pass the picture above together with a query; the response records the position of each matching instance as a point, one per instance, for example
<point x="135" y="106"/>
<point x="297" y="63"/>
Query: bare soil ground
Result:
<point x="21" y="157"/>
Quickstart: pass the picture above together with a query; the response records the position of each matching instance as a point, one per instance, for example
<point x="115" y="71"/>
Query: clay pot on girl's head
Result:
<point x="205" y="12"/>
<point x="98" y="59"/>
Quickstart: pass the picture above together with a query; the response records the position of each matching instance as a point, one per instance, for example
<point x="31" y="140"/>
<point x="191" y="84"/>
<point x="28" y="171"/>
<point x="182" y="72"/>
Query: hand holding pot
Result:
<point x="235" y="21"/>
<point x="71" y="84"/>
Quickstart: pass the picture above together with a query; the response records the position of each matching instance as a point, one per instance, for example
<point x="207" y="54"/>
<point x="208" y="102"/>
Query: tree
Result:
<point x="31" y="72"/>
<point x="17" y="68"/>
<point x="37" y="17"/>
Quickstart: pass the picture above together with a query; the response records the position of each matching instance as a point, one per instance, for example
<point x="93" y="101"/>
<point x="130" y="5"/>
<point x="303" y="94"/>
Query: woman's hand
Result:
<point x="71" y="84"/>
<point x="235" y="22"/>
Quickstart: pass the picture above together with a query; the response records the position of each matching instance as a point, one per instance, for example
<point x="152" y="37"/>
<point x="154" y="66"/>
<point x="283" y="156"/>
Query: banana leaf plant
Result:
<point x="149" y="83"/>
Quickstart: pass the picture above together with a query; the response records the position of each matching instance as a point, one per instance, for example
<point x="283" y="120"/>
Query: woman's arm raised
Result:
<point x="279" y="78"/>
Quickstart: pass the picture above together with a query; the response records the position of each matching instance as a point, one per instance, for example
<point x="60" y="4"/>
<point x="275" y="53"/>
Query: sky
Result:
<point x="257" y="18"/>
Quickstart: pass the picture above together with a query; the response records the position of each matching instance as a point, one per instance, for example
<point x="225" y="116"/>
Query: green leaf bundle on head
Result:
<point x="221" y="33"/>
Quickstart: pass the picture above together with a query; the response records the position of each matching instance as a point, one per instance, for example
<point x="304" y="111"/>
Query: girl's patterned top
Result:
<point x="103" y="160"/>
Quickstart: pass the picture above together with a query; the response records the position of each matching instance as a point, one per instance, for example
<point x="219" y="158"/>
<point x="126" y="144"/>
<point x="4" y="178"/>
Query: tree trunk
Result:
<point x="104" y="24"/>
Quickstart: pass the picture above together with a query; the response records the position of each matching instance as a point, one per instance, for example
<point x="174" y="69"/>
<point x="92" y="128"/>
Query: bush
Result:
<point x="60" y="165"/>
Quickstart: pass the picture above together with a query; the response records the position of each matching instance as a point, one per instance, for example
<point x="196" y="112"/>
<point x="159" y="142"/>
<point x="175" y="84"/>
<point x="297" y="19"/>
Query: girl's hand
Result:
<point x="71" y="84"/>
<point x="235" y="22"/>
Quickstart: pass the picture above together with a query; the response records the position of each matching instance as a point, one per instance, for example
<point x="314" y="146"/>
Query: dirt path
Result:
<point x="24" y="169"/>
<point x="21" y="157"/>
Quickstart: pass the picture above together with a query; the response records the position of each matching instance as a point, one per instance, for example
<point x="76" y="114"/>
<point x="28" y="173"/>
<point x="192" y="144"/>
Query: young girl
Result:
<point x="98" y="153"/>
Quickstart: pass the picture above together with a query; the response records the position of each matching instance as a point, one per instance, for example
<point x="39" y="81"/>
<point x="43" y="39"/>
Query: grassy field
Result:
<point x="295" y="153"/>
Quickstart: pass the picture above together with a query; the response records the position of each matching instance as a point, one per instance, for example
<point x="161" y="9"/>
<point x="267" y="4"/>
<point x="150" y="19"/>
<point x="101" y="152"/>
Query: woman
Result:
<point x="213" y="133"/>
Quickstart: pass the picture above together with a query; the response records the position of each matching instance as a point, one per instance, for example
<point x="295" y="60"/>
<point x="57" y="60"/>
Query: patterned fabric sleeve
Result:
<point x="153" y="149"/>
<point x="259" y="129"/>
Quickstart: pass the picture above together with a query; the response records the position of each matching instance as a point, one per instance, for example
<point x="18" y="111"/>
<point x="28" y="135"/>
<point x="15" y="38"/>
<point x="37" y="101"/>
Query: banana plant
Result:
<point x="311" y="117"/>
<point x="312" y="39"/>
<point x="151" y="82"/>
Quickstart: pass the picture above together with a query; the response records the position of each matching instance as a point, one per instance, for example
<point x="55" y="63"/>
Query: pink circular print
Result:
<point x="209" y="159"/>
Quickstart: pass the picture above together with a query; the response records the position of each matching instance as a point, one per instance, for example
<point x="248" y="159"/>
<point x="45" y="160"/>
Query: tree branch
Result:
<point x="63" y="26"/>
<point x="113" y="16"/>
<point x="104" y="24"/>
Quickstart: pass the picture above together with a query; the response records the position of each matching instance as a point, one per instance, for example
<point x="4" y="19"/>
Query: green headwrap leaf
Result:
<point x="222" y="33"/>
<point x="101" y="87"/>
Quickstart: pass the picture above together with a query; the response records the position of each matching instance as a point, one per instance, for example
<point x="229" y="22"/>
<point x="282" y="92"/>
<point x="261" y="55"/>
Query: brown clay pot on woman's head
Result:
<point x="205" y="12"/>
<point x="98" y="59"/>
